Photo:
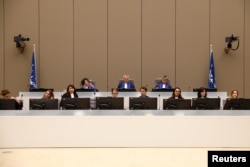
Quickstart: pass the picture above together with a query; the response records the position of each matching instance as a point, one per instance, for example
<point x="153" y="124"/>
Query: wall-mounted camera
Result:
<point x="229" y="41"/>
<point x="20" y="44"/>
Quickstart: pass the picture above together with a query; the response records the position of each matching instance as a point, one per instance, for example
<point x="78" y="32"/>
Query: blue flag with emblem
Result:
<point x="211" y="75"/>
<point x="33" y="79"/>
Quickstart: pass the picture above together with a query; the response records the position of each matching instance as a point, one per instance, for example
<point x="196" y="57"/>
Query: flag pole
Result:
<point x="211" y="48"/>
<point x="34" y="48"/>
<point x="34" y="51"/>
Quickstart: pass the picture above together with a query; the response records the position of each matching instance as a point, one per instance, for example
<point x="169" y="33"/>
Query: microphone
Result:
<point x="159" y="101"/>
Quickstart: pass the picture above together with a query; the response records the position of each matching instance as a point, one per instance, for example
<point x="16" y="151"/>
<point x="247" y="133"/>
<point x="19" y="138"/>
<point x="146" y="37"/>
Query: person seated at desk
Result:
<point x="114" y="92"/>
<point x="176" y="94"/>
<point x="86" y="84"/>
<point x="126" y="83"/>
<point x="202" y="93"/>
<point x="234" y="94"/>
<point x="71" y="92"/>
<point x="143" y="91"/>
<point x="7" y="95"/>
<point x="48" y="94"/>
<point x="164" y="83"/>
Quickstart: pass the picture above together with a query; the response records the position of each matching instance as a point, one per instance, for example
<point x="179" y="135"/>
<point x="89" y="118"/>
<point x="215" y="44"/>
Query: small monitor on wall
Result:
<point x="207" y="89"/>
<point x="85" y="90"/>
<point x="75" y="103"/>
<point x="237" y="104"/>
<point x="176" y="104"/>
<point x="7" y="104"/>
<point x="43" y="104"/>
<point x="206" y="103"/>
<point x="126" y="90"/>
<point x="41" y="89"/>
<point x="143" y="103"/>
<point x="162" y="90"/>
<point x="109" y="103"/>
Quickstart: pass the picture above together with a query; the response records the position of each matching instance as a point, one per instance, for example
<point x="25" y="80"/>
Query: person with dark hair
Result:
<point x="164" y="83"/>
<point x="176" y="93"/>
<point x="7" y="95"/>
<point x="202" y="92"/>
<point x="71" y="92"/>
<point x="126" y="83"/>
<point x="48" y="94"/>
<point x="86" y="84"/>
<point x="143" y="91"/>
<point x="114" y="92"/>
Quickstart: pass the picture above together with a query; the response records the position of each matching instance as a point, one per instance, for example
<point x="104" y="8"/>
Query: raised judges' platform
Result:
<point x="160" y="95"/>
<point x="124" y="128"/>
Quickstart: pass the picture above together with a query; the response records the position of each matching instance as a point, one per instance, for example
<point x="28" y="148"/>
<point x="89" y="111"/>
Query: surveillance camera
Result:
<point x="20" y="45"/>
<point x="20" y="38"/>
<point x="231" y="39"/>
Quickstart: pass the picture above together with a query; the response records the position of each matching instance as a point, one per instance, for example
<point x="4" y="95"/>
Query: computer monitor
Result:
<point x="237" y="104"/>
<point x="75" y="103"/>
<point x="7" y="104"/>
<point x="176" y="104"/>
<point x="85" y="90"/>
<point x="206" y="103"/>
<point x="41" y="89"/>
<point x="43" y="104"/>
<point x="207" y="89"/>
<point x="109" y="103"/>
<point x="143" y="103"/>
<point x="126" y="90"/>
<point x="162" y="90"/>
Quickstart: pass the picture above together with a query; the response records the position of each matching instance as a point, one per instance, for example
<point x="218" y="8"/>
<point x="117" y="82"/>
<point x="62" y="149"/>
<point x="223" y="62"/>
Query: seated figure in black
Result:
<point x="7" y="95"/>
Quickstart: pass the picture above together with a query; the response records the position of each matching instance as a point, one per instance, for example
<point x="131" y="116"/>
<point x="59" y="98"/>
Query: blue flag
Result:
<point x="33" y="83"/>
<point x="211" y="75"/>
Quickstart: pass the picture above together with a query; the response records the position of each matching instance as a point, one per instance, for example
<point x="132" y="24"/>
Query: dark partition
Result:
<point x="75" y="103"/>
<point x="109" y="103"/>
<point x="237" y="104"/>
<point x="176" y="104"/>
<point x="7" y="104"/>
<point x="206" y="103"/>
<point x="142" y="103"/>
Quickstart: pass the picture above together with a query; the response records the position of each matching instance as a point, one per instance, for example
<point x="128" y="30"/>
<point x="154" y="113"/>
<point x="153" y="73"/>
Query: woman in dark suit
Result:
<point x="71" y="92"/>
<point x="176" y="93"/>
<point x="202" y="93"/>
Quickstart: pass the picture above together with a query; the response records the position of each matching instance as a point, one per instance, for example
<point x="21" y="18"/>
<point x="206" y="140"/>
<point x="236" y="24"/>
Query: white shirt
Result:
<point x="126" y="85"/>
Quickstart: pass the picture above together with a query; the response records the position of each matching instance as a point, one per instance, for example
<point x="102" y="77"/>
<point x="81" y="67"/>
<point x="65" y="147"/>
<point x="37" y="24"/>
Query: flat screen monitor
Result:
<point x="177" y="104"/>
<point x="207" y="89"/>
<point x="206" y="104"/>
<point x="109" y="103"/>
<point x="162" y="90"/>
<point x="75" y="103"/>
<point x="126" y="90"/>
<point x="86" y="90"/>
<point x="237" y="104"/>
<point x="41" y="89"/>
<point x="7" y="104"/>
<point x="43" y="104"/>
<point x="143" y="103"/>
